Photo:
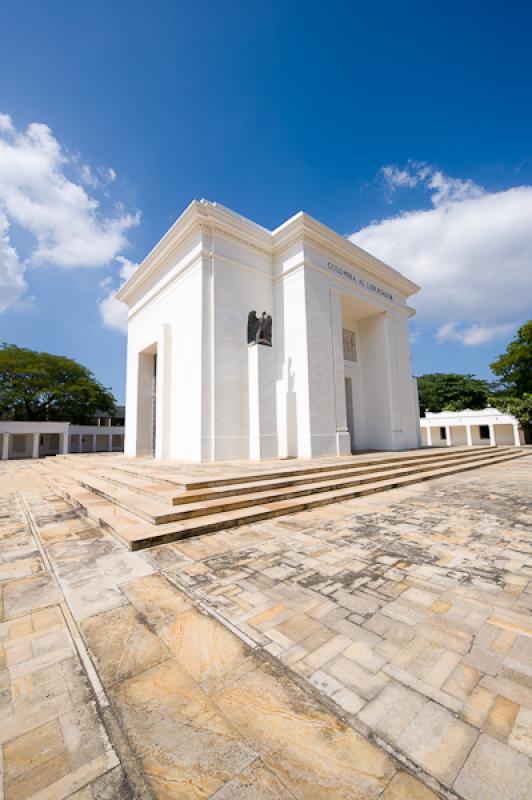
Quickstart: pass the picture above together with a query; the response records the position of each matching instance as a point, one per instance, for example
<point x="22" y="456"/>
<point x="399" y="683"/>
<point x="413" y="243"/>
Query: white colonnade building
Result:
<point x="487" y="426"/>
<point x="205" y="381"/>
<point x="38" y="439"/>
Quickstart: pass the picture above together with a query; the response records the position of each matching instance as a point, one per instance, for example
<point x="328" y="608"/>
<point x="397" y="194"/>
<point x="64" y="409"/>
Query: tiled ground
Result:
<point x="52" y="739"/>
<point x="375" y="648"/>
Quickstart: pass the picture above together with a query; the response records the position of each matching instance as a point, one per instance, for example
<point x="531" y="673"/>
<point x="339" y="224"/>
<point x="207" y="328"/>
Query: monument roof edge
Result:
<point x="302" y="223"/>
<point x="197" y="212"/>
<point x="192" y="213"/>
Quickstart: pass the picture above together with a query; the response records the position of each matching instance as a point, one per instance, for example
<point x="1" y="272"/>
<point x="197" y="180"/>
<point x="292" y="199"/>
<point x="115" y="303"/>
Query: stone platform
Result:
<point x="375" y="648"/>
<point x="145" y="502"/>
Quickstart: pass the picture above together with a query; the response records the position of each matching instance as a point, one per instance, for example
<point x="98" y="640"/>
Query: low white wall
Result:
<point x="20" y="445"/>
<point x="51" y="438"/>
<point x="504" y="434"/>
<point x="458" y="435"/>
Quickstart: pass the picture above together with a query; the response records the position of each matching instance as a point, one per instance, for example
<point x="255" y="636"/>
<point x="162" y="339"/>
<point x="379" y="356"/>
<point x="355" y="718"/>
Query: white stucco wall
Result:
<point x="36" y="439"/>
<point x="504" y="427"/>
<point x="171" y="326"/>
<point x="236" y="290"/>
<point x="189" y="303"/>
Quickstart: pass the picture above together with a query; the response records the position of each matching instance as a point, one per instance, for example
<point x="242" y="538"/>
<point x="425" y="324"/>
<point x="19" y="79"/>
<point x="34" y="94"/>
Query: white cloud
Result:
<point x="112" y="311"/>
<point x="12" y="283"/>
<point x="87" y="176"/>
<point x="6" y="126"/>
<point x="104" y="176"/>
<point x="472" y="334"/>
<point x="39" y="196"/>
<point x="471" y="253"/>
<point x="418" y="173"/>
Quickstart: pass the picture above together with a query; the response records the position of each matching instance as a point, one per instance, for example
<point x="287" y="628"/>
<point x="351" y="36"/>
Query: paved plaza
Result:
<point x="375" y="648"/>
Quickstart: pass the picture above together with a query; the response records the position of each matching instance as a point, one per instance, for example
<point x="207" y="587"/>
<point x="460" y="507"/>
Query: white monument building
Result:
<point x="250" y="343"/>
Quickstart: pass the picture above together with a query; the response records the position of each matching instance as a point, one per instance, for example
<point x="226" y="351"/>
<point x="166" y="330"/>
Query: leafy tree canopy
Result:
<point x="42" y="386"/>
<point x="520" y="407"/>
<point x="441" y="391"/>
<point x="514" y="367"/>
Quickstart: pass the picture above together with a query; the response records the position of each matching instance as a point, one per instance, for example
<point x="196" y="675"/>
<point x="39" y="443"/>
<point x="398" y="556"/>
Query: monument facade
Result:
<point x="250" y="343"/>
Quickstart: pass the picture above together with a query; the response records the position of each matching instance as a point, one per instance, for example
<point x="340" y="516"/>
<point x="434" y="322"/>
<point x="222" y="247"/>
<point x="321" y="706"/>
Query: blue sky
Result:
<point x="408" y="125"/>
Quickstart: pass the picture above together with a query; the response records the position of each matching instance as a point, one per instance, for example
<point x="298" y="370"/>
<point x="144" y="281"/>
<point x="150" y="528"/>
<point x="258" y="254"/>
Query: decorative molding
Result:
<point x="277" y="251"/>
<point x="226" y="234"/>
<point x="186" y="267"/>
<point x="328" y="241"/>
<point x="349" y="342"/>
<point x="202" y="218"/>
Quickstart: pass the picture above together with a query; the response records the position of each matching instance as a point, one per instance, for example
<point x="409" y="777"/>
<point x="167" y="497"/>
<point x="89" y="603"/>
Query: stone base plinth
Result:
<point x="262" y="403"/>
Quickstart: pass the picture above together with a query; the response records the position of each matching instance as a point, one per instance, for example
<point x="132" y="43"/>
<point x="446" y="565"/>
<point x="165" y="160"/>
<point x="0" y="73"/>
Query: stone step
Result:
<point x="247" y="485"/>
<point x="157" y="512"/>
<point x="142" y="485"/>
<point x="168" y="473"/>
<point x="343" y="464"/>
<point x="138" y="480"/>
<point x="135" y="534"/>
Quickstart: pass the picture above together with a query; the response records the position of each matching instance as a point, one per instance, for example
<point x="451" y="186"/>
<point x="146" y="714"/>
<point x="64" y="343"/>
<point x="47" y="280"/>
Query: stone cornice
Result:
<point x="243" y="242"/>
<point x="199" y="217"/>
<point x="302" y="227"/>
<point x="211" y="219"/>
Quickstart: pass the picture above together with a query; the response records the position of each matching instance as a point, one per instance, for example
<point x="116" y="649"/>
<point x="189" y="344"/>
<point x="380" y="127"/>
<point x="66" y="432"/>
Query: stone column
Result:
<point x="35" y="446"/>
<point x="517" y="439"/>
<point x="262" y="402"/>
<point x="493" y="442"/>
<point x="394" y="389"/>
<point x="343" y="439"/>
<point x="93" y="442"/>
<point x="110" y="442"/>
<point x="448" y="436"/>
<point x="64" y="443"/>
<point x="429" y="436"/>
<point x="5" y="446"/>
<point x="163" y="411"/>
<point x="469" y="436"/>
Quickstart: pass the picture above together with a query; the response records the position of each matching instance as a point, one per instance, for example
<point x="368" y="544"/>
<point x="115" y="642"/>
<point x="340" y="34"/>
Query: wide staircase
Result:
<point x="143" y="506"/>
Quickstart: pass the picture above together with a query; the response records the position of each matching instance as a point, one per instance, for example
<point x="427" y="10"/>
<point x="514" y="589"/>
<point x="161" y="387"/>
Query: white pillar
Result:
<point x="110" y="442"/>
<point x="448" y="436"/>
<point x="493" y="442"/>
<point x="343" y="439"/>
<point x="429" y="436"/>
<point x="163" y="411"/>
<point x="262" y="402"/>
<point x="469" y="436"/>
<point x="5" y="446"/>
<point x="64" y="443"/>
<point x="93" y="442"/>
<point x="517" y="439"/>
<point x="35" y="447"/>
<point x="394" y="381"/>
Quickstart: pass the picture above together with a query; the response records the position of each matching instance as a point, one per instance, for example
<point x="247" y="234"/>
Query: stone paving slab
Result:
<point x="410" y="611"/>
<point x="52" y="739"/>
<point x="375" y="648"/>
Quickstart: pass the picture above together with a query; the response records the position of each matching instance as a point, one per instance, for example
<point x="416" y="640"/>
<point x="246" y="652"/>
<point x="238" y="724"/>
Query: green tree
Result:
<point x="520" y="407"/>
<point x="42" y="386"/>
<point x="514" y="367"/>
<point x="440" y="391"/>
